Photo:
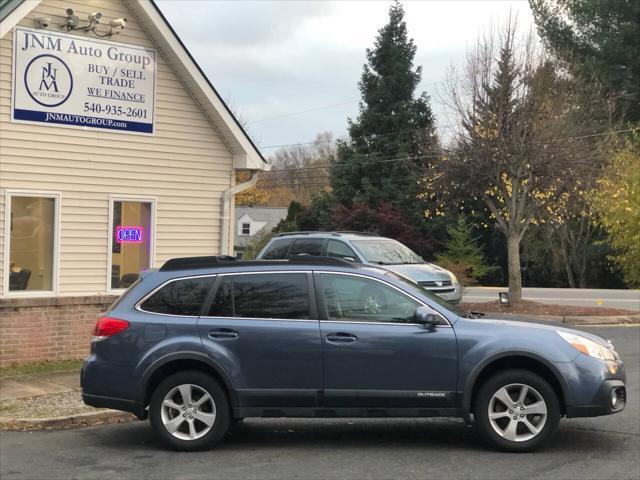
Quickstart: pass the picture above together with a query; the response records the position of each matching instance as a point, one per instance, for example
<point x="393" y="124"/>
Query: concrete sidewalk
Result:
<point x="49" y="401"/>
<point x="26" y="386"/>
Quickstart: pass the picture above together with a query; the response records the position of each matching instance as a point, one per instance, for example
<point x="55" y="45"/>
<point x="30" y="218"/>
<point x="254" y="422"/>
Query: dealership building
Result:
<point x="116" y="154"/>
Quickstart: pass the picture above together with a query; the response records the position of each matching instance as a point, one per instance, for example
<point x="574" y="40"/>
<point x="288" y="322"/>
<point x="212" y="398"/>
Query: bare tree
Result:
<point x="513" y="148"/>
<point x="304" y="169"/>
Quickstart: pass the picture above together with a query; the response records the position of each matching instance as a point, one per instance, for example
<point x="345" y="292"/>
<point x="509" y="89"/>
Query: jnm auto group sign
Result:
<point x="77" y="81"/>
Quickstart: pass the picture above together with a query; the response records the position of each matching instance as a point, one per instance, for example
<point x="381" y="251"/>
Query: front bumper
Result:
<point x="610" y="398"/>
<point x="452" y="294"/>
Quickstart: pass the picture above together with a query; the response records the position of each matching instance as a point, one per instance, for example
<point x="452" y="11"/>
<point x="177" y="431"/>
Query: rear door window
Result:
<point x="340" y="250"/>
<point x="278" y="249"/>
<point x="180" y="297"/>
<point x="267" y="295"/>
<point x="307" y="246"/>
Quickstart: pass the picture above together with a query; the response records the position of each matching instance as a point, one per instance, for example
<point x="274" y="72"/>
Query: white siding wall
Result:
<point x="184" y="166"/>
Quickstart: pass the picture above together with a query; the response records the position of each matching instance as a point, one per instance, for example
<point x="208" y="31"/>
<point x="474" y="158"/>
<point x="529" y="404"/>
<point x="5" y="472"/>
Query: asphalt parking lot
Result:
<point x="599" y="448"/>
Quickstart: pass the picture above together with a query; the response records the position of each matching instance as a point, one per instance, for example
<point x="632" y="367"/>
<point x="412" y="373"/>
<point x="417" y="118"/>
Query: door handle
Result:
<point x="223" y="334"/>
<point x="341" y="337"/>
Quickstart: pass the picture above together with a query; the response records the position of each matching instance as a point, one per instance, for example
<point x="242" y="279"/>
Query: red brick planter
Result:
<point x="47" y="329"/>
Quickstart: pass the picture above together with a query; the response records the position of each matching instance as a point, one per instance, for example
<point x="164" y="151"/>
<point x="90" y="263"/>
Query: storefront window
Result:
<point x="32" y="243"/>
<point x="131" y="241"/>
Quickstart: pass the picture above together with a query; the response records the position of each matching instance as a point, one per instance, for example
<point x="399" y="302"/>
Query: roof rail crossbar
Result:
<point x="186" y="263"/>
<point x="334" y="233"/>
<point x="195" y="262"/>
<point x="354" y="232"/>
<point x="317" y="260"/>
<point x="306" y="232"/>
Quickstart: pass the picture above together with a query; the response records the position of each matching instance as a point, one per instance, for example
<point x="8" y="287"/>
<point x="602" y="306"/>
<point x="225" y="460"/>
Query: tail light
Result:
<point x="106" y="327"/>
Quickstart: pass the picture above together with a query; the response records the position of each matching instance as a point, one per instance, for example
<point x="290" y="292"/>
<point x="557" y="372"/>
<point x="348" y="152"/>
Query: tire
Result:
<point x="511" y="428"/>
<point x="181" y="428"/>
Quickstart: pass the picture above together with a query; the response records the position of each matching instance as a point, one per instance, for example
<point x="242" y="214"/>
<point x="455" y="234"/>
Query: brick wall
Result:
<point x="40" y="329"/>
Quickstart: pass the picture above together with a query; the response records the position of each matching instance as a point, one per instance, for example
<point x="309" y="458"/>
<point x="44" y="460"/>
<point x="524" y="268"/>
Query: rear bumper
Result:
<point x="115" y="404"/>
<point x="101" y="384"/>
<point x="602" y="403"/>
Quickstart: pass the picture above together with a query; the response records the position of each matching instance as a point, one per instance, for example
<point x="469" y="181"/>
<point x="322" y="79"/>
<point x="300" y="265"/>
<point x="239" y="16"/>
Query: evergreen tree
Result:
<point x="463" y="255"/>
<point x="597" y="39"/>
<point x="392" y="124"/>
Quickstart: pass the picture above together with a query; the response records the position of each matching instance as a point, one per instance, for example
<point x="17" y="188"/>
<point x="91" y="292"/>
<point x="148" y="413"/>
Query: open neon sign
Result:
<point x="127" y="234"/>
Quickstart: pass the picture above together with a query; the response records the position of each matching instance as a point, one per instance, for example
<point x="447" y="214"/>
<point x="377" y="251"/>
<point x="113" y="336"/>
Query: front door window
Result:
<point x="359" y="299"/>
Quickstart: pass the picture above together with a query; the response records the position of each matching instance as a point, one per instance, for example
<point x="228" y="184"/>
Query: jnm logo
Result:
<point x="48" y="80"/>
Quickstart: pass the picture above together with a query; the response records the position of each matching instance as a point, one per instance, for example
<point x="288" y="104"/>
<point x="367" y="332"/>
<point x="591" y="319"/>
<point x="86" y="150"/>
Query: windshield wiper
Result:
<point x="475" y="315"/>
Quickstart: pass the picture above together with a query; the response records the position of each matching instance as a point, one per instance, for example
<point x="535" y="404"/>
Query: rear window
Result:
<point x="307" y="246"/>
<point x="278" y="249"/>
<point x="125" y="293"/>
<point x="270" y="295"/>
<point x="180" y="297"/>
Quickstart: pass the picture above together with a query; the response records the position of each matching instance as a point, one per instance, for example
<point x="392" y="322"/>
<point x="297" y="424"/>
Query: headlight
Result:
<point x="454" y="279"/>
<point x="587" y="346"/>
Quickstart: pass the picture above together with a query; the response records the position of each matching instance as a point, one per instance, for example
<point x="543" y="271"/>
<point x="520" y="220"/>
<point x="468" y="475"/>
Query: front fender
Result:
<point x="482" y="342"/>
<point x="478" y="369"/>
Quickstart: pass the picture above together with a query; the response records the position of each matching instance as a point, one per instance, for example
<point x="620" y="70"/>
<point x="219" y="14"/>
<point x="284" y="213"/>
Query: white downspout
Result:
<point x="227" y="197"/>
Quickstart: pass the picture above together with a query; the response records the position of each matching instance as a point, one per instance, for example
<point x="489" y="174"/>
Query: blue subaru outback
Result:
<point x="203" y="342"/>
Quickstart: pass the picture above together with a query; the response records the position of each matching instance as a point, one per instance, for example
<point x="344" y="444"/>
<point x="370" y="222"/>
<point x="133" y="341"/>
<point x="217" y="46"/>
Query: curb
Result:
<point x="569" y="320"/>
<point x="79" y="420"/>
<point x="595" y="320"/>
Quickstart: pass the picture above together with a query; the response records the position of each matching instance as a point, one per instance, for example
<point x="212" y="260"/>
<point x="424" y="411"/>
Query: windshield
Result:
<point x="432" y="296"/>
<point x="386" y="252"/>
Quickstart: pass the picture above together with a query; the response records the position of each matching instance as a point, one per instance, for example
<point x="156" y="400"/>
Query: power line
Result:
<point x="302" y="184"/>
<point x="344" y="164"/>
<point x="316" y="109"/>
<point x="436" y="155"/>
<point x="323" y="107"/>
<point x="283" y="183"/>
<point x="376" y="135"/>
<point x="448" y="126"/>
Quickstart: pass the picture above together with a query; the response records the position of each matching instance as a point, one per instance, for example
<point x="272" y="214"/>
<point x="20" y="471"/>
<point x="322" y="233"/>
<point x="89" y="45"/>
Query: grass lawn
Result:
<point x="41" y="367"/>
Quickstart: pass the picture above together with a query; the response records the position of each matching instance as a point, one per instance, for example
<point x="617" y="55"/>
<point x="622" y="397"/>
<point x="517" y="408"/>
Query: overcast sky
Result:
<point x="271" y="59"/>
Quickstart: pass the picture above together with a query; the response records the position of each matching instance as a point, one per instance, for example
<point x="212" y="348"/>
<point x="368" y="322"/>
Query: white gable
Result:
<point x="245" y="153"/>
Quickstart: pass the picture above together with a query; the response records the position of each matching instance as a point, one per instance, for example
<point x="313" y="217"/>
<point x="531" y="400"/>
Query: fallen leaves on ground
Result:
<point x="536" y="308"/>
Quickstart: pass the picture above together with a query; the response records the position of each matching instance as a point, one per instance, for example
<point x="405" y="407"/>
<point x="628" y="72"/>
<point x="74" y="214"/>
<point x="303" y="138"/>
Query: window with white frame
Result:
<point x="246" y="229"/>
<point x="131" y="240"/>
<point x="32" y="249"/>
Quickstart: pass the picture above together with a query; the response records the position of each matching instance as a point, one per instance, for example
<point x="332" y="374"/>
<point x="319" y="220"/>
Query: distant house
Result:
<point x="253" y="220"/>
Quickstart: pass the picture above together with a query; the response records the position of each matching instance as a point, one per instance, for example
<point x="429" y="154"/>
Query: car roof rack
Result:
<point x="187" y="263"/>
<point x="183" y="263"/>
<point x="336" y="233"/>
<point x="318" y="260"/>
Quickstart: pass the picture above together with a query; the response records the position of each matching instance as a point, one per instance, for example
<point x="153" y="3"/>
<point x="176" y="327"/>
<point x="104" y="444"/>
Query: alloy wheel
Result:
<point x="517" y="412"/>
<point x="188" y="412"/>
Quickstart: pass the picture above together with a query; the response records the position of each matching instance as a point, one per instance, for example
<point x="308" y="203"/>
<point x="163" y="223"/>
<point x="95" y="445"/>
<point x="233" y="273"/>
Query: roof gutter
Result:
<point x="227" y="197"/>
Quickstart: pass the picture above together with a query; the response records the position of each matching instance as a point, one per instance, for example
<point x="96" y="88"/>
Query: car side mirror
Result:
<point x="425" y="316"/>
